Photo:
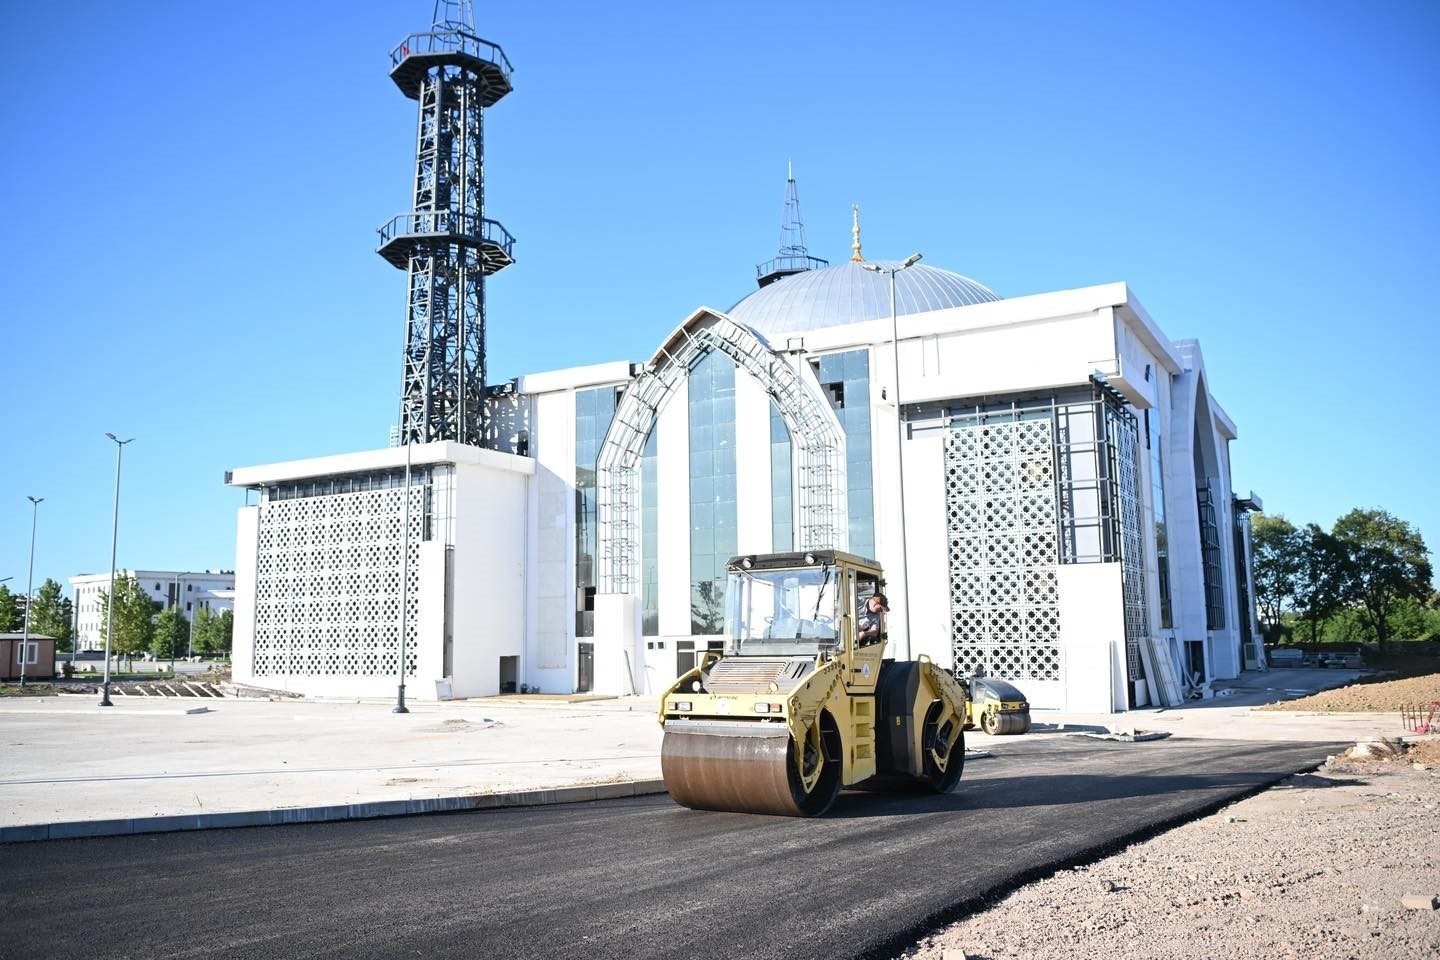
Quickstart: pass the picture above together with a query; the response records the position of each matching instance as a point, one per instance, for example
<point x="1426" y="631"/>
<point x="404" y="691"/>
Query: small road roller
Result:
<point x="797" y="704"/>
<point x="997" y="707"/>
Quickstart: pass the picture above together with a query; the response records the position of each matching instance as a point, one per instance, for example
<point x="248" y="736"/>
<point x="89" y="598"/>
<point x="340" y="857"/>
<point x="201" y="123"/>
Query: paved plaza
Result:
<point x="68" y="761"/>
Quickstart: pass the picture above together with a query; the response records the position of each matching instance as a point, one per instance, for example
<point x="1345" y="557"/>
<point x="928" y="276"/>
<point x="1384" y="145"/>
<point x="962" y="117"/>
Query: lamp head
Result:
<point x="873" y="268"/>
<point x="35" y="500"/>
<point x="911" y="260"/>
<point x="113" y="437"/>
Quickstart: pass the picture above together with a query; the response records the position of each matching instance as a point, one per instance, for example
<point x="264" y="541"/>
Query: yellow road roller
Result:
<point x="997" y="707"/>
<point x="799" y="702"/>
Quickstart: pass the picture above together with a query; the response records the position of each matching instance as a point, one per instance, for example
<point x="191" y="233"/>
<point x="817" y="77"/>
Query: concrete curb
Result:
<point x="353" y="811"/>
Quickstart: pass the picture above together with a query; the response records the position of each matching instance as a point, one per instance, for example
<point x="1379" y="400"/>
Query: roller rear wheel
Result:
<point x="943" y="741"/>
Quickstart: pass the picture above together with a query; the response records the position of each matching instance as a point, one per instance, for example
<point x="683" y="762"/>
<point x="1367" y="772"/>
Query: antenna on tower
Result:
<point x="794" y="257"/>
<point x="454" y="15"/>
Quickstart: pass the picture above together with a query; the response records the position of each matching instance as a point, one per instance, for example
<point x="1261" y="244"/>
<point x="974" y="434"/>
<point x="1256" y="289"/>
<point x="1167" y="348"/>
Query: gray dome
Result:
<point x="847" y="293"/>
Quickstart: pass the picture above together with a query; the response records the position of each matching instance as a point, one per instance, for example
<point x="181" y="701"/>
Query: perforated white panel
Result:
<point x="327" y="590"/>
<point x="1000" y="498"/>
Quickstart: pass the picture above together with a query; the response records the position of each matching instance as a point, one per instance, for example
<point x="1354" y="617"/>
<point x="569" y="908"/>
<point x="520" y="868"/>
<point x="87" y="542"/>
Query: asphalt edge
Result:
<point x="76" y="829"/>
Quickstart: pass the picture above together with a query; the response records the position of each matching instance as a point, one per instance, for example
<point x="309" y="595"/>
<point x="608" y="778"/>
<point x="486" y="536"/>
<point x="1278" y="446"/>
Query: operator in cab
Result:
<point x="868" y="624"/>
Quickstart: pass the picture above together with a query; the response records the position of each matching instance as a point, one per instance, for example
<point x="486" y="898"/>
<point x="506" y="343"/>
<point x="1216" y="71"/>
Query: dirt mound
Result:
<point x="1369" y="757"/>
<point x="1380" y="696"/>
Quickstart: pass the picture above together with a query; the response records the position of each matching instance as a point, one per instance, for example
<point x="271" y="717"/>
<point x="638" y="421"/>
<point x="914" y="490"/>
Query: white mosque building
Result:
<point x="1066" y="518"/>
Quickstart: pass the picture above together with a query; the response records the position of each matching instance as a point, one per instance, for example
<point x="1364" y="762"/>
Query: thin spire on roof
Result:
<point x="792" y="228"/>
<point x="855" y="256"/>
<point x="794" y="256"/>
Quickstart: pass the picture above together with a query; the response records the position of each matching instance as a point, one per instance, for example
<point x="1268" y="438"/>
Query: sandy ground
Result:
<point x="1369" y="697"/>
<point x="1313" y="868"/>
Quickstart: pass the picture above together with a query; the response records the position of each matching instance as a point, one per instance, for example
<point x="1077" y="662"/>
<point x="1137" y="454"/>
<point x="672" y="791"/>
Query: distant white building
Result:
<point x="213" y="590"/>
<point x="1070" y="519"/>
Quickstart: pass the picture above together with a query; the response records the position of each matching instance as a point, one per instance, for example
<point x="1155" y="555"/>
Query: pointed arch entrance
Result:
<point x="815" y="433"/>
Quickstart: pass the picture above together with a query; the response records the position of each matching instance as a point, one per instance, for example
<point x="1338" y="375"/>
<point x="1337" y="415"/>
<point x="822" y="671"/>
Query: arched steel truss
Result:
<point x="819" y="443"/>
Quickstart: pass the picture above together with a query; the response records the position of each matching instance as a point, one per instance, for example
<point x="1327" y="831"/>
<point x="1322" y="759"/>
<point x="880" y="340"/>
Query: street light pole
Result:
<point x="175" y="623"/>
<point x="404" y="583"/>
<point x="909" y="262"/>
<point x="110" y="597"/>
<point x="30" y="588"/>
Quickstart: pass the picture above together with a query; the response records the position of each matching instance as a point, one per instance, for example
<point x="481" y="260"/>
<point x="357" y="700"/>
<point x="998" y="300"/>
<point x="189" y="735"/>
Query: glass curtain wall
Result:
<point x="1088" y="531"/>
<point x="713" y="518"/>
<point x="1244" y="605"/>
<point x="1209" y="542"/>
<point x="594" y="410"/>
<point x="782" y="491"/>
<point x="845" y="381"/>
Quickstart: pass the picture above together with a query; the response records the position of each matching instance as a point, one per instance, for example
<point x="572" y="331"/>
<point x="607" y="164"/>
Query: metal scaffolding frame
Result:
<point x="445" y="243"/>
<point x="819" y="443"/>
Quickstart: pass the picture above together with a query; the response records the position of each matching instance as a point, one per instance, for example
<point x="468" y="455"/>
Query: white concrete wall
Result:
<point x="490" y="558"/>
<point x="1092" y="642"/>
<point x="242" y="650"/>
<point x="1187" y="573"/>
<point x="617" y="629"/>
<point x="549" y="663"/>
<point x="929" y="549"/>
<point x="885" y="499"/>
<point x="1030" y="355"/>
<point x="430" y="626"/>
<point x="753" y="500"/>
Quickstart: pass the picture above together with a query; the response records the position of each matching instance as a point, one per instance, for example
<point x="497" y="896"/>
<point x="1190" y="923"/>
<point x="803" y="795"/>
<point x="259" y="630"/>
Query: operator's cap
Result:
<point x="884" y="603"/>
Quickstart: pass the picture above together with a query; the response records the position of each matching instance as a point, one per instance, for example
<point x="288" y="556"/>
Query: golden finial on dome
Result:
<point x="855" y="234"/>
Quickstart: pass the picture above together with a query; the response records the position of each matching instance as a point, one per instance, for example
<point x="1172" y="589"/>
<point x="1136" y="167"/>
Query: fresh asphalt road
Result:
<point x="633" y="878"/>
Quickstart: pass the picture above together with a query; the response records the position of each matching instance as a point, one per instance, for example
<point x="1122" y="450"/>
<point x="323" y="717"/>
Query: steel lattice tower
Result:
<point x="445" y="243"/>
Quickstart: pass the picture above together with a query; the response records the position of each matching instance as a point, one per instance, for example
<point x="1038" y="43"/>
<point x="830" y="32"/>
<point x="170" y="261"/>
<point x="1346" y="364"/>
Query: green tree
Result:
<point x="67" y="612"/>
<point x="1320" y="576"/>
<point x="9" y="611"/>
<point x="202" y="630"/>
<point x="1414" y="619"/>
<point x="48" y="616"/>
<point x="172" y="633"/>
<point x="1276" y="551"/>
<point x="134" y="613"/>
<point x="224" y="632"/>
<point x="1386" y="561"/>
<point x="213" y="631"/>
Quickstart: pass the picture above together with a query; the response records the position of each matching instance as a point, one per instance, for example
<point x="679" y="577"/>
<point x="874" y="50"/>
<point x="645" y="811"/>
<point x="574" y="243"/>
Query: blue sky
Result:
<point x="190" y="193"/>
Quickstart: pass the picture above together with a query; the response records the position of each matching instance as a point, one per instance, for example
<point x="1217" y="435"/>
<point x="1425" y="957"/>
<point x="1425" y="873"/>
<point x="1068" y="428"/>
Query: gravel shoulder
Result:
<point x="1315" y="867"/>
